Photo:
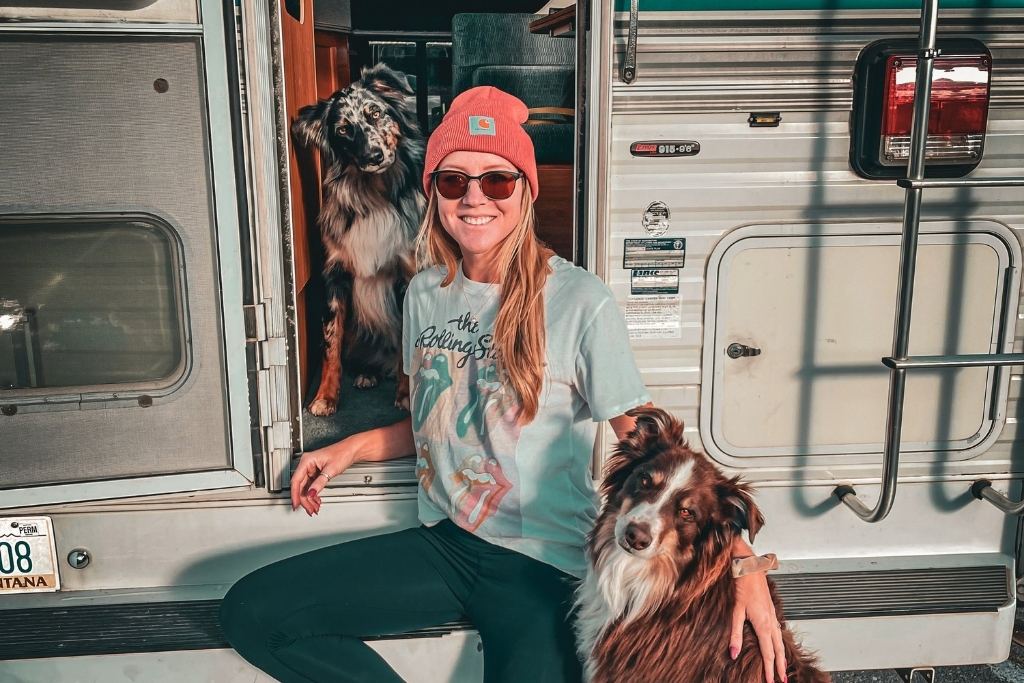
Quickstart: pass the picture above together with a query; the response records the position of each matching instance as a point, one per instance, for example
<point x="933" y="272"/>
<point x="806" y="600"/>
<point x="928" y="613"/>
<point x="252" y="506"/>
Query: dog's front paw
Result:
<point x="402" y="402"/>
<point x="323" y="407"/>
<point x="365" y="382"/>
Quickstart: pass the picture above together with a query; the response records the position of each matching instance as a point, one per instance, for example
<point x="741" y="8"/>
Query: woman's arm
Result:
<point x="623" y="425"/>
<point x="754" y="604"/>
<point x="317" y="467"/>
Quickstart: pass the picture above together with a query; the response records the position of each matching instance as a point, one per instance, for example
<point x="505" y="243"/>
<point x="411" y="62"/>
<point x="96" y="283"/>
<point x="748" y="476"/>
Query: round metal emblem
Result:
<point x="655" y="219"/>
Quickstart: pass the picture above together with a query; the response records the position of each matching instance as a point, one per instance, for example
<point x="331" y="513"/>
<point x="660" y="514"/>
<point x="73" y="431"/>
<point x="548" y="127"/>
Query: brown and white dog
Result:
<point x="371" y="151"/>
<point x="657" y="602"/>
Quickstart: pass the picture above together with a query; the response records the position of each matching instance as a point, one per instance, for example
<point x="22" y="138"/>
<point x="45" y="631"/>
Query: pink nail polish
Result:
<point x="734" y="652"/>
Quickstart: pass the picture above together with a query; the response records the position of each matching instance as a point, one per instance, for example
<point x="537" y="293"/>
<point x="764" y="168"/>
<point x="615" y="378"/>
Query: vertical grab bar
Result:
<point x="629" y="59"/>
<point x="908" y="262"/>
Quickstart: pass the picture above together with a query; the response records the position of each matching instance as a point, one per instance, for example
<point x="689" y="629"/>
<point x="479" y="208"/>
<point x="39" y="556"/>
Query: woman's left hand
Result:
<point x="754" y="604"/>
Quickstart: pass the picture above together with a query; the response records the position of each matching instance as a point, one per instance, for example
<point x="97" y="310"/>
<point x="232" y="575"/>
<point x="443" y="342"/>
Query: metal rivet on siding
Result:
<point x="9" y="410"/>
<point x="161" y="85"/>
<point x="79" y="558"/>
<point x="145" y="401"/>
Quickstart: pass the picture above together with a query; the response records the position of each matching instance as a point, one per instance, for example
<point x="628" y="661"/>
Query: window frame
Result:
<point x="67" y="397"/>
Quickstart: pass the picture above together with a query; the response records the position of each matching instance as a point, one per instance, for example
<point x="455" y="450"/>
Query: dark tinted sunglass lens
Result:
<point x="451" y="185"/>
<point x="498" y="184"/>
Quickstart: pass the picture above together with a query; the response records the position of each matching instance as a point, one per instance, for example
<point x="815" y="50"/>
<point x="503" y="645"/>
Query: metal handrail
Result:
<point x="982" y="490"/>
<point x="908" y="262"/>
<point x="960" y="182"/>
<point x="969" y="360"/>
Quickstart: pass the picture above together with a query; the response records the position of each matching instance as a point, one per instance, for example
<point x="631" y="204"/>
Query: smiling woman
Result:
<point x="505" y="493"/>
<point x="513" y="355"/>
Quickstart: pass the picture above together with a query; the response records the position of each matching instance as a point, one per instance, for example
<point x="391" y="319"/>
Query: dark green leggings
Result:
<point x="301" y="619"/>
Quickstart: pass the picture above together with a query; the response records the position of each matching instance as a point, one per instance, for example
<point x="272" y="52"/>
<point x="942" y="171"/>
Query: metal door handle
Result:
<point x="737" y="350"/>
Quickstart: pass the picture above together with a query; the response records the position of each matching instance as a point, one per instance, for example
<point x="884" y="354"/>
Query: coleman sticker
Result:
<point x="665" y="148"/>
<point x="655" y="219"/>
<point x="654" y="281"/>
<point x="657" y="253"/>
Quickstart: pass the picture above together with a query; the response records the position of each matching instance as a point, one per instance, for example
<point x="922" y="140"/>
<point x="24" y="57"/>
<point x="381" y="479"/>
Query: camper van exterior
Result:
<point x="736" y="187"/>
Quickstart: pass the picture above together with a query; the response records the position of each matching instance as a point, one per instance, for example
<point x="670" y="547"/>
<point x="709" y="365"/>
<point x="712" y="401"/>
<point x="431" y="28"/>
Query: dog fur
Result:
<point x="656" y="604"/>
<point x="371" y="152"/>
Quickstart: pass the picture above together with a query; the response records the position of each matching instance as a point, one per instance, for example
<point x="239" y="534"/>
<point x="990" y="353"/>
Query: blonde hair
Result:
<point x="523" y="267"/>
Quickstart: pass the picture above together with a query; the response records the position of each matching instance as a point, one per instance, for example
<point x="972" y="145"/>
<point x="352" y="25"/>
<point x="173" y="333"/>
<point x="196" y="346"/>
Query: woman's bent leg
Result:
<point x="301" y="619"/>
<point x="521" y="607"/>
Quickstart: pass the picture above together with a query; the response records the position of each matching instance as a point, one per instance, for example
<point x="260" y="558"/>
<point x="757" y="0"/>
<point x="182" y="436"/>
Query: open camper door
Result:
<point x="122" y="343"/>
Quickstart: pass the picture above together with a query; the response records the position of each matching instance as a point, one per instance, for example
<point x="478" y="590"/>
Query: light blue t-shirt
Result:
<point x="524" y="487"/>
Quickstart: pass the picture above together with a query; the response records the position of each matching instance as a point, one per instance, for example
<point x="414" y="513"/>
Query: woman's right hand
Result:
<point x="314" y="470"/>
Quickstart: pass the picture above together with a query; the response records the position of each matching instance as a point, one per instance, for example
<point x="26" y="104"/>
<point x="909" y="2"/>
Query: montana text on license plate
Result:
<point x="28" y="557"/>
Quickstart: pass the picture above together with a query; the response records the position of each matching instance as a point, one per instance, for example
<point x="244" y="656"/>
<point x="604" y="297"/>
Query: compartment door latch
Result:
<point x="737" y="350"/>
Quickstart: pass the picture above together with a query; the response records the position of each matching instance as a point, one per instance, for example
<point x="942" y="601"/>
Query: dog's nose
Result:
<point x="376" y="157"/>
<point x="638" y="535"/>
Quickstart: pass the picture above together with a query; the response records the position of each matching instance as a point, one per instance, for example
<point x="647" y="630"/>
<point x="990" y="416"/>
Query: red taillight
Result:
<point x="958" y="114"/>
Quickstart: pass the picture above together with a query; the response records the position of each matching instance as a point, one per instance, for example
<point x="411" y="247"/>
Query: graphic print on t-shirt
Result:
<point x="480" y="484"/>
<point x="466" y="426"/>
<point x="425" y="471"/>
<point x="488" y="400"/>
<point x="432" y="379"/>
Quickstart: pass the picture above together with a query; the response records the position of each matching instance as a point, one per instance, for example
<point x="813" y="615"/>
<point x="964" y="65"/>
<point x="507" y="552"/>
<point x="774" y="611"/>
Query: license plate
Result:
<point x="28" y="556"/>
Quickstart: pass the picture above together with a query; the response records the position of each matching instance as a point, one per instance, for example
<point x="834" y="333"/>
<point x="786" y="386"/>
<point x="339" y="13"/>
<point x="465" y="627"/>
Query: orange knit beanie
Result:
<point x="484" y="119"/>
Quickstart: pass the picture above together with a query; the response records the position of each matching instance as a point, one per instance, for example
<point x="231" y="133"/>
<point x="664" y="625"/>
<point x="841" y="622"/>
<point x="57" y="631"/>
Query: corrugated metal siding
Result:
<point x="691" y="63"/>
<point x="694" y="84"/>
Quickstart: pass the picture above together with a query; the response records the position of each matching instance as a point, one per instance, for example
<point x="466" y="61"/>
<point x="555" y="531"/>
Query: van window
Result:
<point x="87" y="301"/>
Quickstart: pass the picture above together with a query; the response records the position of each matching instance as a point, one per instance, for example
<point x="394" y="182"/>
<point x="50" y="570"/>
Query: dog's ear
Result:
<point x="654" y="430"/>
<point x="738" y="506"/>
<point x="310" y="126"/>
<point x="392" y="85"/>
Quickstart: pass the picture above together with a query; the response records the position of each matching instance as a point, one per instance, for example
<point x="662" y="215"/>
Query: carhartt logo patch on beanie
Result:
<point x="481" y="125"/>
<point x="484" y="119"/>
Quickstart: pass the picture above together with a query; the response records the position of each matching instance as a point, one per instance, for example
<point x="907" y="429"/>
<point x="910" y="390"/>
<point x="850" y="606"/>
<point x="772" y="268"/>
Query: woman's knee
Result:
<point x="242" y="611"/>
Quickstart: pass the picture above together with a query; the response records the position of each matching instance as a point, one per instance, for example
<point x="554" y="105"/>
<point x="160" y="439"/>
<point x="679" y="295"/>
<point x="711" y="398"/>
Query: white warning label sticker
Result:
<point x="654" y="317"/>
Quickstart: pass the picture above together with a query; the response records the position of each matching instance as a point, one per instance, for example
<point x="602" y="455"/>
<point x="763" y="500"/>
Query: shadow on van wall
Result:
<point x="227" y="567"/>
<point x="960" y="209"/>
<point x="816" y="210"/>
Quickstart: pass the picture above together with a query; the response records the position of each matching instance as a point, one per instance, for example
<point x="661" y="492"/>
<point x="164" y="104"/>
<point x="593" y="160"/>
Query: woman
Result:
<point x="514" y="355"/>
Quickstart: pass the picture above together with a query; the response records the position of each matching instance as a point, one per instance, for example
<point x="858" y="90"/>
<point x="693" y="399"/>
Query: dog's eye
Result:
<point x="343" y="130"/>
<point x="644" y="481"/>
<point x="375" y="114"/>
<point x="685" y="513"/>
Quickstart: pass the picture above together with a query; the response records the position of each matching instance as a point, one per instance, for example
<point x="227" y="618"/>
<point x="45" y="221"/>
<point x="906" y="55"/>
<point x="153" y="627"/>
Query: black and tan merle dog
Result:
<point x="372" y="163"/>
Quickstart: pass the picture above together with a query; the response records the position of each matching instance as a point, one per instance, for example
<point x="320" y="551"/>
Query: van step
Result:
<point x="133" y="627"/>
<point x="194" y="624"/>
<point x="853" y="594"/>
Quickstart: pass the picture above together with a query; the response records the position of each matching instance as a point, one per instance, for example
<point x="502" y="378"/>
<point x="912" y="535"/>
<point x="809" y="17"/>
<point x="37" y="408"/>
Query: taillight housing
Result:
<point x="884" y="93"/>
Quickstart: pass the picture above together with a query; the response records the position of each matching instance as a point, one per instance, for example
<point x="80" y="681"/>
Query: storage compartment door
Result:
<point x="818" y="312"/>
<point x="122" y="350"/>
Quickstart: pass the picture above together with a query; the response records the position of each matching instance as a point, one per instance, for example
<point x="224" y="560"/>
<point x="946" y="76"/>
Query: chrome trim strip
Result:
<point x="71" y="28"/>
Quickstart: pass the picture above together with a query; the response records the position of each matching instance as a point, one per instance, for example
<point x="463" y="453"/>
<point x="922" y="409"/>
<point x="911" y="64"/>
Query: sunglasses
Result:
<point x="495" y="185"/>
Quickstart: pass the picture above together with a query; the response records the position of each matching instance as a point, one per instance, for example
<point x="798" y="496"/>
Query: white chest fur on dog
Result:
<point x="372" y="248"/>
<point x="375" y="241"/>
<point x="618" y="585"/>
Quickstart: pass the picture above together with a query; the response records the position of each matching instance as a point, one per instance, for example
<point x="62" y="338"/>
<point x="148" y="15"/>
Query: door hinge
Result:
<point x="255" y="322"/>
